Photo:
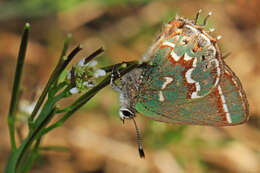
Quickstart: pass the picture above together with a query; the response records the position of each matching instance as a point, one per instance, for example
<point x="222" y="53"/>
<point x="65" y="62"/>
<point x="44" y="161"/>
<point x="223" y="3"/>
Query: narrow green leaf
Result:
<point x="16" y="157"/>
<point x="16" y="85"/>
<point x="54" y="76"/>
<point x="54" y="148"/>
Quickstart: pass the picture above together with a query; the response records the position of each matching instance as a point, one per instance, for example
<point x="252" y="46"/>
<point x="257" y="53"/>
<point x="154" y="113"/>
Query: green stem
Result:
<point x="16" y="85"/>
<point x="85" y="98"/>
<point x="20" y="157"/>
<point x="33" y="154"/>
<point x="63" y="62"/>
<point x="49" y="104"/>
<point x="54" y="148"/>
<point x="115" y="66"/>
<point x="50" y="81"/>
<point x="93" y="55"/>
<point x="17" y="157"/>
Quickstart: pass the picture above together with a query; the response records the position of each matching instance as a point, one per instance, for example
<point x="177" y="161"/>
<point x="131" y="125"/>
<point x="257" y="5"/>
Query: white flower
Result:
<point x="89" y="85"/>
<point x="26" y="107"/>
<point x="74" y="90"/>
<point x="92" y="63"/>
<point x="81" y="63"/>
<point x="99" y="72"/>
<point x="69" y="74"/>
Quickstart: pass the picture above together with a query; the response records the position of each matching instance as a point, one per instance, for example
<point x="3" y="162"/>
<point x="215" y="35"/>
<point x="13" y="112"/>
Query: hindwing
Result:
<point x="225" y="105"/>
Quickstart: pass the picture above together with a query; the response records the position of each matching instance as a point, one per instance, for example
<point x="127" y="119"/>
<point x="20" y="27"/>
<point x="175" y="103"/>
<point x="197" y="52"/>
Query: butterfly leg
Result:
<point x="115" y="86"/>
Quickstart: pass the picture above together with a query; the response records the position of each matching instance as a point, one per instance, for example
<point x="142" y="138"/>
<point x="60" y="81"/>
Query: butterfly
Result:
<point x="185" y="81"/>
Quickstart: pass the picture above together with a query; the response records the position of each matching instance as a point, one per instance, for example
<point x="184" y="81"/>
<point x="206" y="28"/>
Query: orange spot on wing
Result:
<point x="196" y="48"/>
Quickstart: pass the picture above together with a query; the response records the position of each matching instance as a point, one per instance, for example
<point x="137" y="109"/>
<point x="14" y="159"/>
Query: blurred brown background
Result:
<point x="96" y="138"/>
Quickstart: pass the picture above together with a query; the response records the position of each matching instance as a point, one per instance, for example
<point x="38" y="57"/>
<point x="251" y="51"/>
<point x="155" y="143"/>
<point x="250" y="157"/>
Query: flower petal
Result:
<point x="92" y="63"/>
<point x="74" y="90"/>
<point x="81" y="63"/>
<point x="99" y="72"/>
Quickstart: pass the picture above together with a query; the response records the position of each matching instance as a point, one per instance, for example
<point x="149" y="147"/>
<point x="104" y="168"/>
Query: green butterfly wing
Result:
<point x="225" y="104"/>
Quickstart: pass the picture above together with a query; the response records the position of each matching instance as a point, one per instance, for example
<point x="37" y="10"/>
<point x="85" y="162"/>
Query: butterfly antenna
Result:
<point x="139" y="141"/>
<point x="206" y="18"/>
<point x="197" y="16"/>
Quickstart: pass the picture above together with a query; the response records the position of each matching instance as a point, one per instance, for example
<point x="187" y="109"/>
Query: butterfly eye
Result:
<point x="127" y="113"/>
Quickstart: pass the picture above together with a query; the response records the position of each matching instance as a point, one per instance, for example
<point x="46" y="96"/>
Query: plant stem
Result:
<point x="16" y="158"/>
<point x="48" y="85"/>
<point x="54" y="76"/>
<point x="93" y="55"/>
<point x="32" y="156"/>
<point x="110" y="68"/>
<point x="86" y="97"/>
<point x="54" y="148"/>
<point x="16" y="85"/>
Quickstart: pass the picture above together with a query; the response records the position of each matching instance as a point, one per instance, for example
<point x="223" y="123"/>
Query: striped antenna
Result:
<point x="197" y="16"/>
<point x="139" y="141"/>
<point x="206" y="18"/>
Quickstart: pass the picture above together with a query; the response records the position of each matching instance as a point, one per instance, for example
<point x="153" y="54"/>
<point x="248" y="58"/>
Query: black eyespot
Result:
<point x="127" y="113"/>
<point x="203" y="57"/>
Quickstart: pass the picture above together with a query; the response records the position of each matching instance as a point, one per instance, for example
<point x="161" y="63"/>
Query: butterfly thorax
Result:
<point x="129" y="86"/>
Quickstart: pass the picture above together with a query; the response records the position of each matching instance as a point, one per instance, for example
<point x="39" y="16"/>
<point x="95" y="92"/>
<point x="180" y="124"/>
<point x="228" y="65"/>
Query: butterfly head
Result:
<point x="125" y="113"/>
<point x="128" y="89"/>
